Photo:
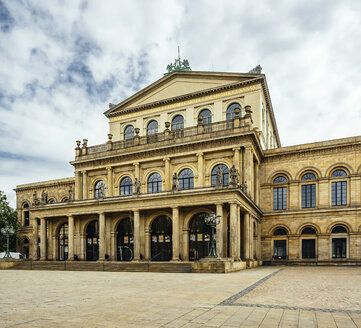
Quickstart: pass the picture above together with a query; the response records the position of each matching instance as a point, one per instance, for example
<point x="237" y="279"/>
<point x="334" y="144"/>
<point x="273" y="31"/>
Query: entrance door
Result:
<point x="161" y="247"/>
<point x="199" y="237"/>
<point x="125" y="240"/>
<point x="63" y="242"/>
<point x="308" y="248"/>
<point x="92" y="241"/>
<point x="279" y="249"/>
<point x="338" y="248"/>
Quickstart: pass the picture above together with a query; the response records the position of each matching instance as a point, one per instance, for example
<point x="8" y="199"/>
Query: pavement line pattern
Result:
<point x="235" y="297"/>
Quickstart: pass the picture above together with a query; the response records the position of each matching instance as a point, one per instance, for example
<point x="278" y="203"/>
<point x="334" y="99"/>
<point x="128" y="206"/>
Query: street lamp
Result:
<point x="8" y="232"/>
<point x="212" y="220"/>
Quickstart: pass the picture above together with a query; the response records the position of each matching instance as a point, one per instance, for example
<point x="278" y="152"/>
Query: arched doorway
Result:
<point x="125" y="240"/>
<point x="161" y="242"/>
<point x="308" y="243"/>
<point x="92" y="241"/>
<point x="63" y="242"/>
<point x="199" y="237"/>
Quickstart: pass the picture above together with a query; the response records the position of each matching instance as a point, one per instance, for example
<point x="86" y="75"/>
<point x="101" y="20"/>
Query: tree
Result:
<point x="8" y="218"/>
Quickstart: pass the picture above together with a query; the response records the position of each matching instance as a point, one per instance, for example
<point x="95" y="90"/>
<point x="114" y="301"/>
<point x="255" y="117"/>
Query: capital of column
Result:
<point x="135" y="211"/>
<point x="109" y="168"/>
<point x="236" y="148"/>
<point x="113" y="233"/>
<point x="84" y="172"/>
<point x="166" y="159"/>
<point x="136" y="164"/>
<point x="200" y="154"/>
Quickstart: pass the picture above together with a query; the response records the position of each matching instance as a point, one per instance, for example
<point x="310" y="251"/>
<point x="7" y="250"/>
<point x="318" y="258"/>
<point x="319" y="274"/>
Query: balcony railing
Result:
<point x="241" y="124"/>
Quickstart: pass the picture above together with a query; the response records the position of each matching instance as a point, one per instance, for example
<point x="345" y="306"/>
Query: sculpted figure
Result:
<point x="71" y="194"/>
<point x="234" y="175"/>
<point x="175" y="182"/>
<point x="219" y="177"/>
<point x="137" y="186"/>
<point x="44" y="197"/>
<point x="102" y="191"/>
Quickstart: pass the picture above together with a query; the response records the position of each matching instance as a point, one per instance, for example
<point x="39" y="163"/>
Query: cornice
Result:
<point x="51" y="183"/>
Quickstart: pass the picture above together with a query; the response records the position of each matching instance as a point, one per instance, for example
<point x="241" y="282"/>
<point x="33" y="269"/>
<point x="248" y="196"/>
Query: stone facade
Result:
<point x="190" y="144"/>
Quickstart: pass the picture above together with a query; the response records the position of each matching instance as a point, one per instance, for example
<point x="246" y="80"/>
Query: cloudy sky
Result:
<point x="62" y="62"/>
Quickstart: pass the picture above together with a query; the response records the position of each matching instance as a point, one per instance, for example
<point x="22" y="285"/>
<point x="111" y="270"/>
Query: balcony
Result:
<point x="167" y="137"/>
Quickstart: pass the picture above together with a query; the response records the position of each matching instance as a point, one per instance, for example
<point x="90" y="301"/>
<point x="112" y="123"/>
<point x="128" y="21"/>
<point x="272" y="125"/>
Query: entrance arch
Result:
<point x="125" y="240"/>
<point x="63" y="242"/>
<point x="92" y="241"/>
<point x="161" y="239"/>
<point x="199" y="237"/>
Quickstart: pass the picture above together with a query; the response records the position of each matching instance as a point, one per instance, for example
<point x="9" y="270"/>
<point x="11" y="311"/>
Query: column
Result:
<point x="246" y="219"/>
<point x="259" y="245"/>
<point x="113" y="245"/>
<point x="147" y="244"/>
<point x="236" y="161"/>
<point x="167" y="185"/>
<point x="35" y="239"/>
<point x="54" y="241"/>
<point x="136" y="170"/>
<point x="78" y="186"/>
<point x="85" y="185"/>
<point x="136" y="236"/>
<point x="70" y="237"/>
<point x="256" y="183"/>
<point x="101" y="236"/>
<point x="248" y="169"/>
<point x="49" y="241"/>
<point x="200" y="170"/>
<point x="251" y="244"/>
<point x="233" y="230"/>
<point x="42" y="239"/>
<point x="220" y="230"/>
<point x="185" y="244"/>
<point x="82" y="237"/>
<point x="239" y="239"/>
<point x="175" y="233"/>
<point x="110" y="181"/>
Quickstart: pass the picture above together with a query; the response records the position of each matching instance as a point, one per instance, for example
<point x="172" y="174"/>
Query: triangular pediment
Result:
<point x="178" y="84"/>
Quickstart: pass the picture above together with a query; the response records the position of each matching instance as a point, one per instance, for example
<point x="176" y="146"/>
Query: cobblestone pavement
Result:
<point x="261" y="297"/>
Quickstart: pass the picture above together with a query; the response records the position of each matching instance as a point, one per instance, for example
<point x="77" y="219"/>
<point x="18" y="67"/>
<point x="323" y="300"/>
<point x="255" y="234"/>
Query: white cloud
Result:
<point x="64" y="61"/>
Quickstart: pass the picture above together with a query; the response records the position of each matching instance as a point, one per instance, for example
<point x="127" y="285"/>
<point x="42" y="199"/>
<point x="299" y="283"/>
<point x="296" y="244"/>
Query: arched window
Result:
<point x="280" y="232"/>
<point x="129" y="132"/>
<point x="230" y="114"/>
<point x="100" y="189"/>
<point x="308" y="231"/>
<point x="308" y="191"/>
<point x="152" y="127"/>
<point x="280" y="194"/>
<point x="51" y="201"/>
<point x="225" y="175"/>
<point x="177" y="122"/>
<point x="186" y="179"/>
<point x="26" y="215"/>
<point x="339" y="229"/>
<point x="339" y="188"/>
<point x="338" y="173"/>
<point x="206" y="116"/>
<point x="126" y="186"/>
<point x="154" y="183"/>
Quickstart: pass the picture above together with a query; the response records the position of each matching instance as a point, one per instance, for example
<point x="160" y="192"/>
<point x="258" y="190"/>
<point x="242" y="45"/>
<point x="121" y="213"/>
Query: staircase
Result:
<point x="176" y="267"/>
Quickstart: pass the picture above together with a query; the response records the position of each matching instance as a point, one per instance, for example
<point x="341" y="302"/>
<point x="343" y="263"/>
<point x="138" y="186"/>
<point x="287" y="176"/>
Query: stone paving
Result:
<point x="261" y="297"/>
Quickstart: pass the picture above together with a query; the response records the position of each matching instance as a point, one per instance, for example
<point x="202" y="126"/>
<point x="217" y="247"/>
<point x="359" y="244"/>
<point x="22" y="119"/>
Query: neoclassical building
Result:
<point x="191" y="144"/>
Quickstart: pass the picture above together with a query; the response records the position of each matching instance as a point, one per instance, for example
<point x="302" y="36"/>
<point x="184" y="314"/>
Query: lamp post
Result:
<point x="212" y="220"/>
<point x="8" y="232"/>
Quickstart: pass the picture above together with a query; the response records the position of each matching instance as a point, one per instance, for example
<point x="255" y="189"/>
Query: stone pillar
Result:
<point x="220" y="230"/>
<point x="233" y="230"/>
<point x="256" y="184"/>
<point x="54" y="241"/>
<point x="42" y="239"/>
<point x="200" y="170"/>
<point x="248" y="169"/>
<point x="185" y="252"/>
<point x="78" y="186"/>
<point x="136" y="170"/>
<point x="110" y="191"/>
<point x="246" y="241"/>
<point x="323" y="247"/>
<point x="136" y="236"/>
<point x="251" y="239"/>
<point x="167" y="174"/>
<point x="113" y="246"/>
<point x="293" y="248"/>
<point x="147" y="244"/>
<point x="259" y="244"/>
<point x="236" y="161"/>
<point x="71" y="237"/>
<point x="85" y="185"/>
<point x="101" y="236"/>
<point x="239" y="239"/>
<point x="49" y="241"/>
<point x="175" y="233"/>
<point x="82" y="237"/>
<point x="35" y="239"/>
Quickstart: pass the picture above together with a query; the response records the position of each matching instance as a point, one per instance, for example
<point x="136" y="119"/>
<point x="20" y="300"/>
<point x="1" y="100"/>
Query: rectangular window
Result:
<point x="338" y="248"/>
<point x="309" y="196"/>
<point x="339" y="193"/>
<point x="279" y="198"/>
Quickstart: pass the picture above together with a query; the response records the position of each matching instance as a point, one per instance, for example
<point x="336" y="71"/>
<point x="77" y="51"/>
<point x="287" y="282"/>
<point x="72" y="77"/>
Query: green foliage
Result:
<point x="8" y="218"/>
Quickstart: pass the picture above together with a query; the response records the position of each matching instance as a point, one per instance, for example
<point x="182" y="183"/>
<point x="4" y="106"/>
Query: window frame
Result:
<point x="126" y="187"/>
<point x="225" y="175"/>
<point x="188" y="178"/>
<point x="154" y="187"/>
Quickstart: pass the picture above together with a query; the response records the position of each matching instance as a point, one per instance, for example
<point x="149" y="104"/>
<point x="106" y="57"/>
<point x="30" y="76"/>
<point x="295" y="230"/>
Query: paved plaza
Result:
<point x="260" y="297"/>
